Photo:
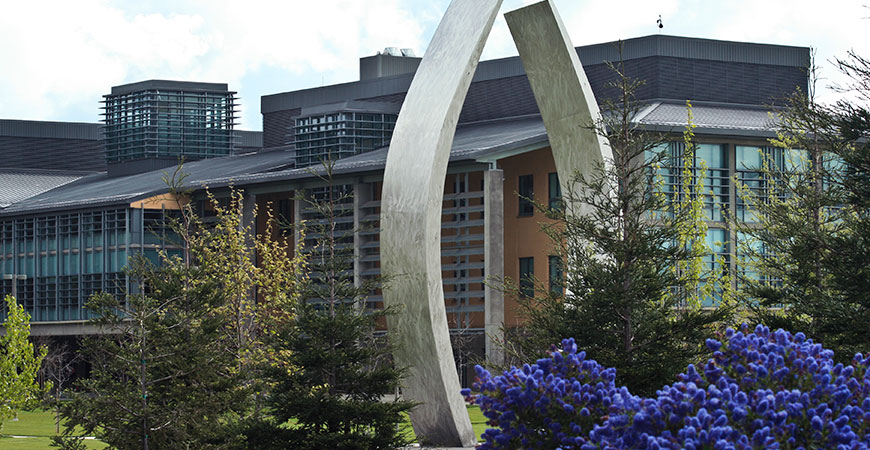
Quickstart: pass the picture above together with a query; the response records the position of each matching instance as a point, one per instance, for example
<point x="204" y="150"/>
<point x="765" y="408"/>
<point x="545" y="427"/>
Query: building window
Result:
<point x="526" y="192"/>
<point x="556" y="274"/>
<point x="554" y="192"/>
<point x="527" y="277"/>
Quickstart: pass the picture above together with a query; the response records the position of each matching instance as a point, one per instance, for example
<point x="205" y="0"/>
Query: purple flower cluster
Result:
<point x="759" y="390"/>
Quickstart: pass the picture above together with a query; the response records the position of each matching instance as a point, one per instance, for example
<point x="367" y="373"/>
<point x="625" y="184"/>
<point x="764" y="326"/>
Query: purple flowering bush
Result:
<point x="759" y="390"/>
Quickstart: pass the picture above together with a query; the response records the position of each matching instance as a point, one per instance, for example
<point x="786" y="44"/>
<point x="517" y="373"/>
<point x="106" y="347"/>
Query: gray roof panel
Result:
<point x="99" y="189"/>
<point x="169" y="85"/>
<point x="711" y="117"/>
<point x="21" y="184"/>
<point x="474" y="142"/>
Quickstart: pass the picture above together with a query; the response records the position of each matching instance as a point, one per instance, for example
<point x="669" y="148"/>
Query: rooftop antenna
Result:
<point x="659" y="22"/>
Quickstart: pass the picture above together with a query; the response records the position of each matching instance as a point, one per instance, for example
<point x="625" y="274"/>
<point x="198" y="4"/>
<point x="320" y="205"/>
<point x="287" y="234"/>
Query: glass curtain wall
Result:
<point x="709" y="165"/>
<point x="53" y="263"/>
<point x="340" y="134"/>
<point x="168" y="124"/>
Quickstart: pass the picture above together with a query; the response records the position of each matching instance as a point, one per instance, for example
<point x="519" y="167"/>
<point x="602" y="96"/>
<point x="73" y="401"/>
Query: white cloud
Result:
<point x="61" y="56"/>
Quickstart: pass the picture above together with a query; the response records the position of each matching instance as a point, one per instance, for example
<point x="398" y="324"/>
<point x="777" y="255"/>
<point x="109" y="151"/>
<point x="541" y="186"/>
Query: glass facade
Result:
<point x="710" y="159"/>
<point x="53" y="263"/>
<point x="730" y="173"/>
<point x="340" y="134"/>
<point x="157" y="123"/>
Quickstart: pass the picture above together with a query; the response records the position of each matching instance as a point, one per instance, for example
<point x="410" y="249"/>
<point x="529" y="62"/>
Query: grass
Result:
<point x="478" y="422"/>
<point x="40" y="424"/>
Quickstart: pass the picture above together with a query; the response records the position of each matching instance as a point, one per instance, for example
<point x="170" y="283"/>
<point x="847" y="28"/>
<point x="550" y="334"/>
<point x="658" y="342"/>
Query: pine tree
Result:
<point x="336" y="386"/>
<point x="810" y="245"/>
<point x="633" y="264"/>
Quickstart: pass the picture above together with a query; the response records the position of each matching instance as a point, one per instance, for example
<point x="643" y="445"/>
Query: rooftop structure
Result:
<point x="154" y="124"/>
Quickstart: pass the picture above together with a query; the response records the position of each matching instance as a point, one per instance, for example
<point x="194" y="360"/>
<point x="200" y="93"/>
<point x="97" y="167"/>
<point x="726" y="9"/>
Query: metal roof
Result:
<point x="99" y="189"/>
<point x="169" y="85"/>
<point x="20" y="184"/>
<point x="711" y="119"/>
<point x="473" y="142"/>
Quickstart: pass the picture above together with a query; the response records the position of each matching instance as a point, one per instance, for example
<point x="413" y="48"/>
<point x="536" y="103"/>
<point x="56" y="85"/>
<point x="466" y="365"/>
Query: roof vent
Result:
<point x="408" y="52"/>
<point x="392" y="51"/>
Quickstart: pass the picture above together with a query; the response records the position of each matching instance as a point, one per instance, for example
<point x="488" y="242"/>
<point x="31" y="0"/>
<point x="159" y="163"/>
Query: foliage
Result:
<point x="632" y="258"/>
<point x="332" y="392"/>
<point x="691" y="228"/>
<point x="160" y="376"/>
<point x="174" y="364"/>
<point x="335" y="394"/>
<point x="19" y="363"/>
<point x="811" y="243"/>
<point x="759" y="389"/>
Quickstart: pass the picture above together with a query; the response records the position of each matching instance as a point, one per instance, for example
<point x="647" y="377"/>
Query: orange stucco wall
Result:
<point x="522" y="235"/>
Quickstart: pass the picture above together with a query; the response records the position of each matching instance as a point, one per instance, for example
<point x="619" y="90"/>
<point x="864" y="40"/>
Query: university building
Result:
<point x="77" y="199"/>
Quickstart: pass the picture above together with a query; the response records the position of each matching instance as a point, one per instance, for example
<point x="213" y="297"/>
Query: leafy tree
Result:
<point x="173" y="367"/>
<point x="811" y="243"/>
<point x="334" y="386"/>
<point x="632" y="263"/>
<point x="19" y="363"/>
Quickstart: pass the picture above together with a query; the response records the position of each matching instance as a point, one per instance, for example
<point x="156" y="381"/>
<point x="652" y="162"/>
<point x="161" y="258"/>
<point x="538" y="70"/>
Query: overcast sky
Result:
<point x="58" y="58"/>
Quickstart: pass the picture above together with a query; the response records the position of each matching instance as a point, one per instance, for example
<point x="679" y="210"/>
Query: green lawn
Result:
<point x="41" y="425"/>
<point x="33" y="423"/>
<point x="477" y="420"/>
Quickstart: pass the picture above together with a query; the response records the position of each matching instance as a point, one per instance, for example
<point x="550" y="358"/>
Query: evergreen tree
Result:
<point x="174" y="364"/>
<point x="159" y="375"/>
<point x="634" y="280"/>
<point x="19" y="363"/>
<point x="336" y="385"/>
<point x="810" y="246"/>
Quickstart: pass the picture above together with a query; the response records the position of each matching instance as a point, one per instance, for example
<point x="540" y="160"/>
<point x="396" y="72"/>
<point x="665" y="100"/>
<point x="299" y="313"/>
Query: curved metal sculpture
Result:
<point x="563" y="93"/>
<point x="413" y="187"/>
<point x="411" y="221"/>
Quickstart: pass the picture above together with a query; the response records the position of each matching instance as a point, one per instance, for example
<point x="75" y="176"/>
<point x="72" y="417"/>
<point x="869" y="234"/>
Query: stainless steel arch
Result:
<point x="562" y="92"/>
<point x="411" y="220"/>
<point x="414" y="185"/>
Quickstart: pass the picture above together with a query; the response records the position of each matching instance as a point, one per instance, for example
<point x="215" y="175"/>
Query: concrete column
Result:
<point x="249" y="218"/>
<point x="249" y="224"/>
<point x="298" y="205"/>
<point x="493" y="263"/>
<point x="359" y="198"/>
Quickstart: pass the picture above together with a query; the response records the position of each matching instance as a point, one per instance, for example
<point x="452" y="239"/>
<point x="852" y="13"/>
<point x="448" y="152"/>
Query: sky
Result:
<point x="58" y="58"/>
